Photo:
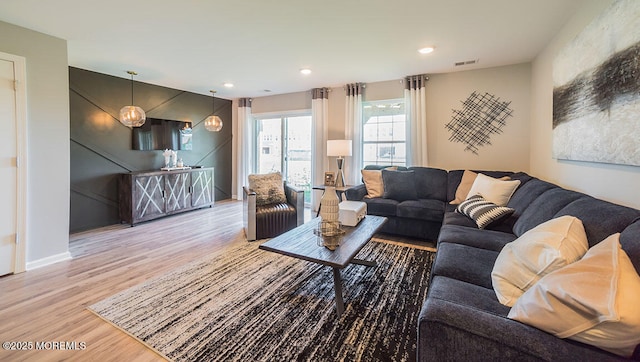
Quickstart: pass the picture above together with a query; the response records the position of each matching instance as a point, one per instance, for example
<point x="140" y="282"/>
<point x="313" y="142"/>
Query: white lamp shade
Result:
<point x="132" y="116"/>
<point x="339" y="148"/>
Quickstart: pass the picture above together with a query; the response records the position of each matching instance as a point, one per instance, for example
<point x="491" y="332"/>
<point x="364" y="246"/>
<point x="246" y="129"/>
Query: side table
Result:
<point x="339" y="190"/>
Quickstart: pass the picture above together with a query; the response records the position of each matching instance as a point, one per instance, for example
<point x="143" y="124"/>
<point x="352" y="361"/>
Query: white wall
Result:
<point x="616" y="183"/>
<point x="48" y="140"/>
<point x="508" y="150"/>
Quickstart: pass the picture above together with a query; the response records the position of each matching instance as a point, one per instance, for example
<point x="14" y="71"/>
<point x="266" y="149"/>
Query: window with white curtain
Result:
<point x="384" y="140"/>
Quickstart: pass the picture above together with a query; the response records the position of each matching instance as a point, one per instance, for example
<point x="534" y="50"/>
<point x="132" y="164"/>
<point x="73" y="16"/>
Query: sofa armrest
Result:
<point x="295" y="198"/>
<point x="356" y="193"/>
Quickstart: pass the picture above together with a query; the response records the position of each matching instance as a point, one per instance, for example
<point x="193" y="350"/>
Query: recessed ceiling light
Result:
<point x="426" y="50"/>
<point x="228" y="85"/>
<point x="305" y="71"/>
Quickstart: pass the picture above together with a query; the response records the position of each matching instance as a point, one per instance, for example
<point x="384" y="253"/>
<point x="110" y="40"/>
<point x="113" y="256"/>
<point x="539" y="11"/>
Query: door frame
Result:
<point x="20" y="69"/>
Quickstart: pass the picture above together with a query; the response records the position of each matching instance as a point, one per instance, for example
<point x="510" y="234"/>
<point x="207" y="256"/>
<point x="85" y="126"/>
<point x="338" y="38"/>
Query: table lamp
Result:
<point x="339" y="148"/>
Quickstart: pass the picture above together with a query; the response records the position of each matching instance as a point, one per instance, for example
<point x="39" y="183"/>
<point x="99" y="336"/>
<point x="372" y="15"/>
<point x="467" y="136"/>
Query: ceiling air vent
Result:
<point x="466" y="62"/>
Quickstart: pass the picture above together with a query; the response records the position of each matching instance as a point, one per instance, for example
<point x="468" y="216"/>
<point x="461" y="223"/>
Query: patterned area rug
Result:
<point x="254" y="305"/>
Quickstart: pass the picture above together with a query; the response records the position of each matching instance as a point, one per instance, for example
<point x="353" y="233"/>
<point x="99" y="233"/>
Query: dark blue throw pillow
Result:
<point x="399" y="185"/>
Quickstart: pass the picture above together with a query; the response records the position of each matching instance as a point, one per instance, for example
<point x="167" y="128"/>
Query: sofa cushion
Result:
<point x="456" y="218"/>
<point x="477" y="271"/>
<point x="484" y="239"/>
<point x="269" y="188"/>
<point x="431" y="183"/>
<point x="600" y="218"/>
<point x="430" y="210"/>
<point x="527" y="193"/>
<point x="630" y="241"/>
<point x="536" y="253"/>
<point x="497" y="191"/>
<point x="593" y="301"/>
<point x="544" y="208"/>
<point x="381" y="207"/>
<point x="399" y="185"/>
<point x="483" y="212"/>
<point x="464" y="322"/>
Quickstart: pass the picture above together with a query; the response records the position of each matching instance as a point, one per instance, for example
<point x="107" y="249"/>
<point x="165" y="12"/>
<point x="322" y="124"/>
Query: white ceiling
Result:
<point x="197" y="45"/>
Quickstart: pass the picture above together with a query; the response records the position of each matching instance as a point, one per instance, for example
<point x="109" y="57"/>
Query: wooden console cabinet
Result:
<point x="148" y="195"/>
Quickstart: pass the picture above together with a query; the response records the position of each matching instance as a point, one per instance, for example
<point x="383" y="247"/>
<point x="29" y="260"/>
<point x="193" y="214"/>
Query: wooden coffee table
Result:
<point x="302" y="243"/>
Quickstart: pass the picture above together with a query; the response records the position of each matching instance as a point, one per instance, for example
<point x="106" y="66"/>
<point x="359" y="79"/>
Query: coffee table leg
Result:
<point x="337" y="285"/>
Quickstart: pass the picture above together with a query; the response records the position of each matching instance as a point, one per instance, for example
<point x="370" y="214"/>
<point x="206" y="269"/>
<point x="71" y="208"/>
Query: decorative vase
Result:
<point x="329" y="205"/>
<point x="174" y="159"/>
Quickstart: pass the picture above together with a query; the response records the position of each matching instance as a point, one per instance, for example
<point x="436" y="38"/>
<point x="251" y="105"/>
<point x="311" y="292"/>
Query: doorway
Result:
<point x="12" y="179"/>
<point x="284" y="145"/>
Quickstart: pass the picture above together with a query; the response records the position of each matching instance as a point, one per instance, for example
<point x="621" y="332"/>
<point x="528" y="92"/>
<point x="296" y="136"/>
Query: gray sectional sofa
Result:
<point x="461" y="319"/>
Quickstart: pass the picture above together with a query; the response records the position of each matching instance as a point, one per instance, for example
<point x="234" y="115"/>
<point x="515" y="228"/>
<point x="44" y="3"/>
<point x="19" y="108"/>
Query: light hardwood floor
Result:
<point x="49" y="303"/>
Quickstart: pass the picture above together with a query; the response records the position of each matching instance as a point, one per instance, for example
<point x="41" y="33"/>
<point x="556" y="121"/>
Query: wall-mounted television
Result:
<point x="161" y="134"/>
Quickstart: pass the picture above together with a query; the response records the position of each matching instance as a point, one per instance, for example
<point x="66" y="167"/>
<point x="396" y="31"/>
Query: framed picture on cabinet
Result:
<point x="329" y="178"/>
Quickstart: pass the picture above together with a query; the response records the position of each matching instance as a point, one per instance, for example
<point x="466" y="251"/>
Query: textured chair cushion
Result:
<point x="399" y="185"/>
<point x="269" y="188"/>
<point x="274" y="219"/>
<point x="540" y="251"/>
<point x="593" y="301"/>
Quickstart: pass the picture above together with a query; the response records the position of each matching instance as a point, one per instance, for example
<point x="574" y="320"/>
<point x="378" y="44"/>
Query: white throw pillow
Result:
<point x="497" y="191"/>
<point x="593" y="301"/>
<point x="540" y="251"/>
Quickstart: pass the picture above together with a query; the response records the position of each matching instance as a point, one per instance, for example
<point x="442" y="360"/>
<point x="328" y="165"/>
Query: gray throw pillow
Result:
<point x="399" y="185"/>
<point x="269" y="188"/>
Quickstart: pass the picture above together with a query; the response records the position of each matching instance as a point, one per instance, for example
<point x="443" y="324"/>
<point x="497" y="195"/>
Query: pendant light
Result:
<point x="213" y="123"/>
<point x="132" y="116"/>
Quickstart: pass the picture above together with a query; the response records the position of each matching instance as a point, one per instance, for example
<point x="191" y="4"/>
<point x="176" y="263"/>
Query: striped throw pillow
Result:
<point x="483" y="212"/>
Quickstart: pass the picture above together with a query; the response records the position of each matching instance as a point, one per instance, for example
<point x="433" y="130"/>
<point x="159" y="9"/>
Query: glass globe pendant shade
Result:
<point x="213" y="123"/>
<point x="132" y="116"/>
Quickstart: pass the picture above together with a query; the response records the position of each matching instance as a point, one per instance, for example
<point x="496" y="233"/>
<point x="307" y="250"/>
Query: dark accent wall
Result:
<point x="101" y="145"/>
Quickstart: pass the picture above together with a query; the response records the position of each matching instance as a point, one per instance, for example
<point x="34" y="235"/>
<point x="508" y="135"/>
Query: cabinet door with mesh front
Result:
<point x="148" y="197"/>
<point x="202" y="188"/>
<point x="177" y="191"/>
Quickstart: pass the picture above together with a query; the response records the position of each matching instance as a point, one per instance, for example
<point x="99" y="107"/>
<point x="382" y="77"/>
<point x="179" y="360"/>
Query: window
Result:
<point x="284" y="144"/>
<point x="384" y="133"/>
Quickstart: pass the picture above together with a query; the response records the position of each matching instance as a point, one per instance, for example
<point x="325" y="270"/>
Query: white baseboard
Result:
<point x="48" y="260"/>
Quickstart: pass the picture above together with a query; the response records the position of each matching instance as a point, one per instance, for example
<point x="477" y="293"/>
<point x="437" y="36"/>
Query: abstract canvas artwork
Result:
<point x="596" y="95"/>
<point x="481" y="116"/>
